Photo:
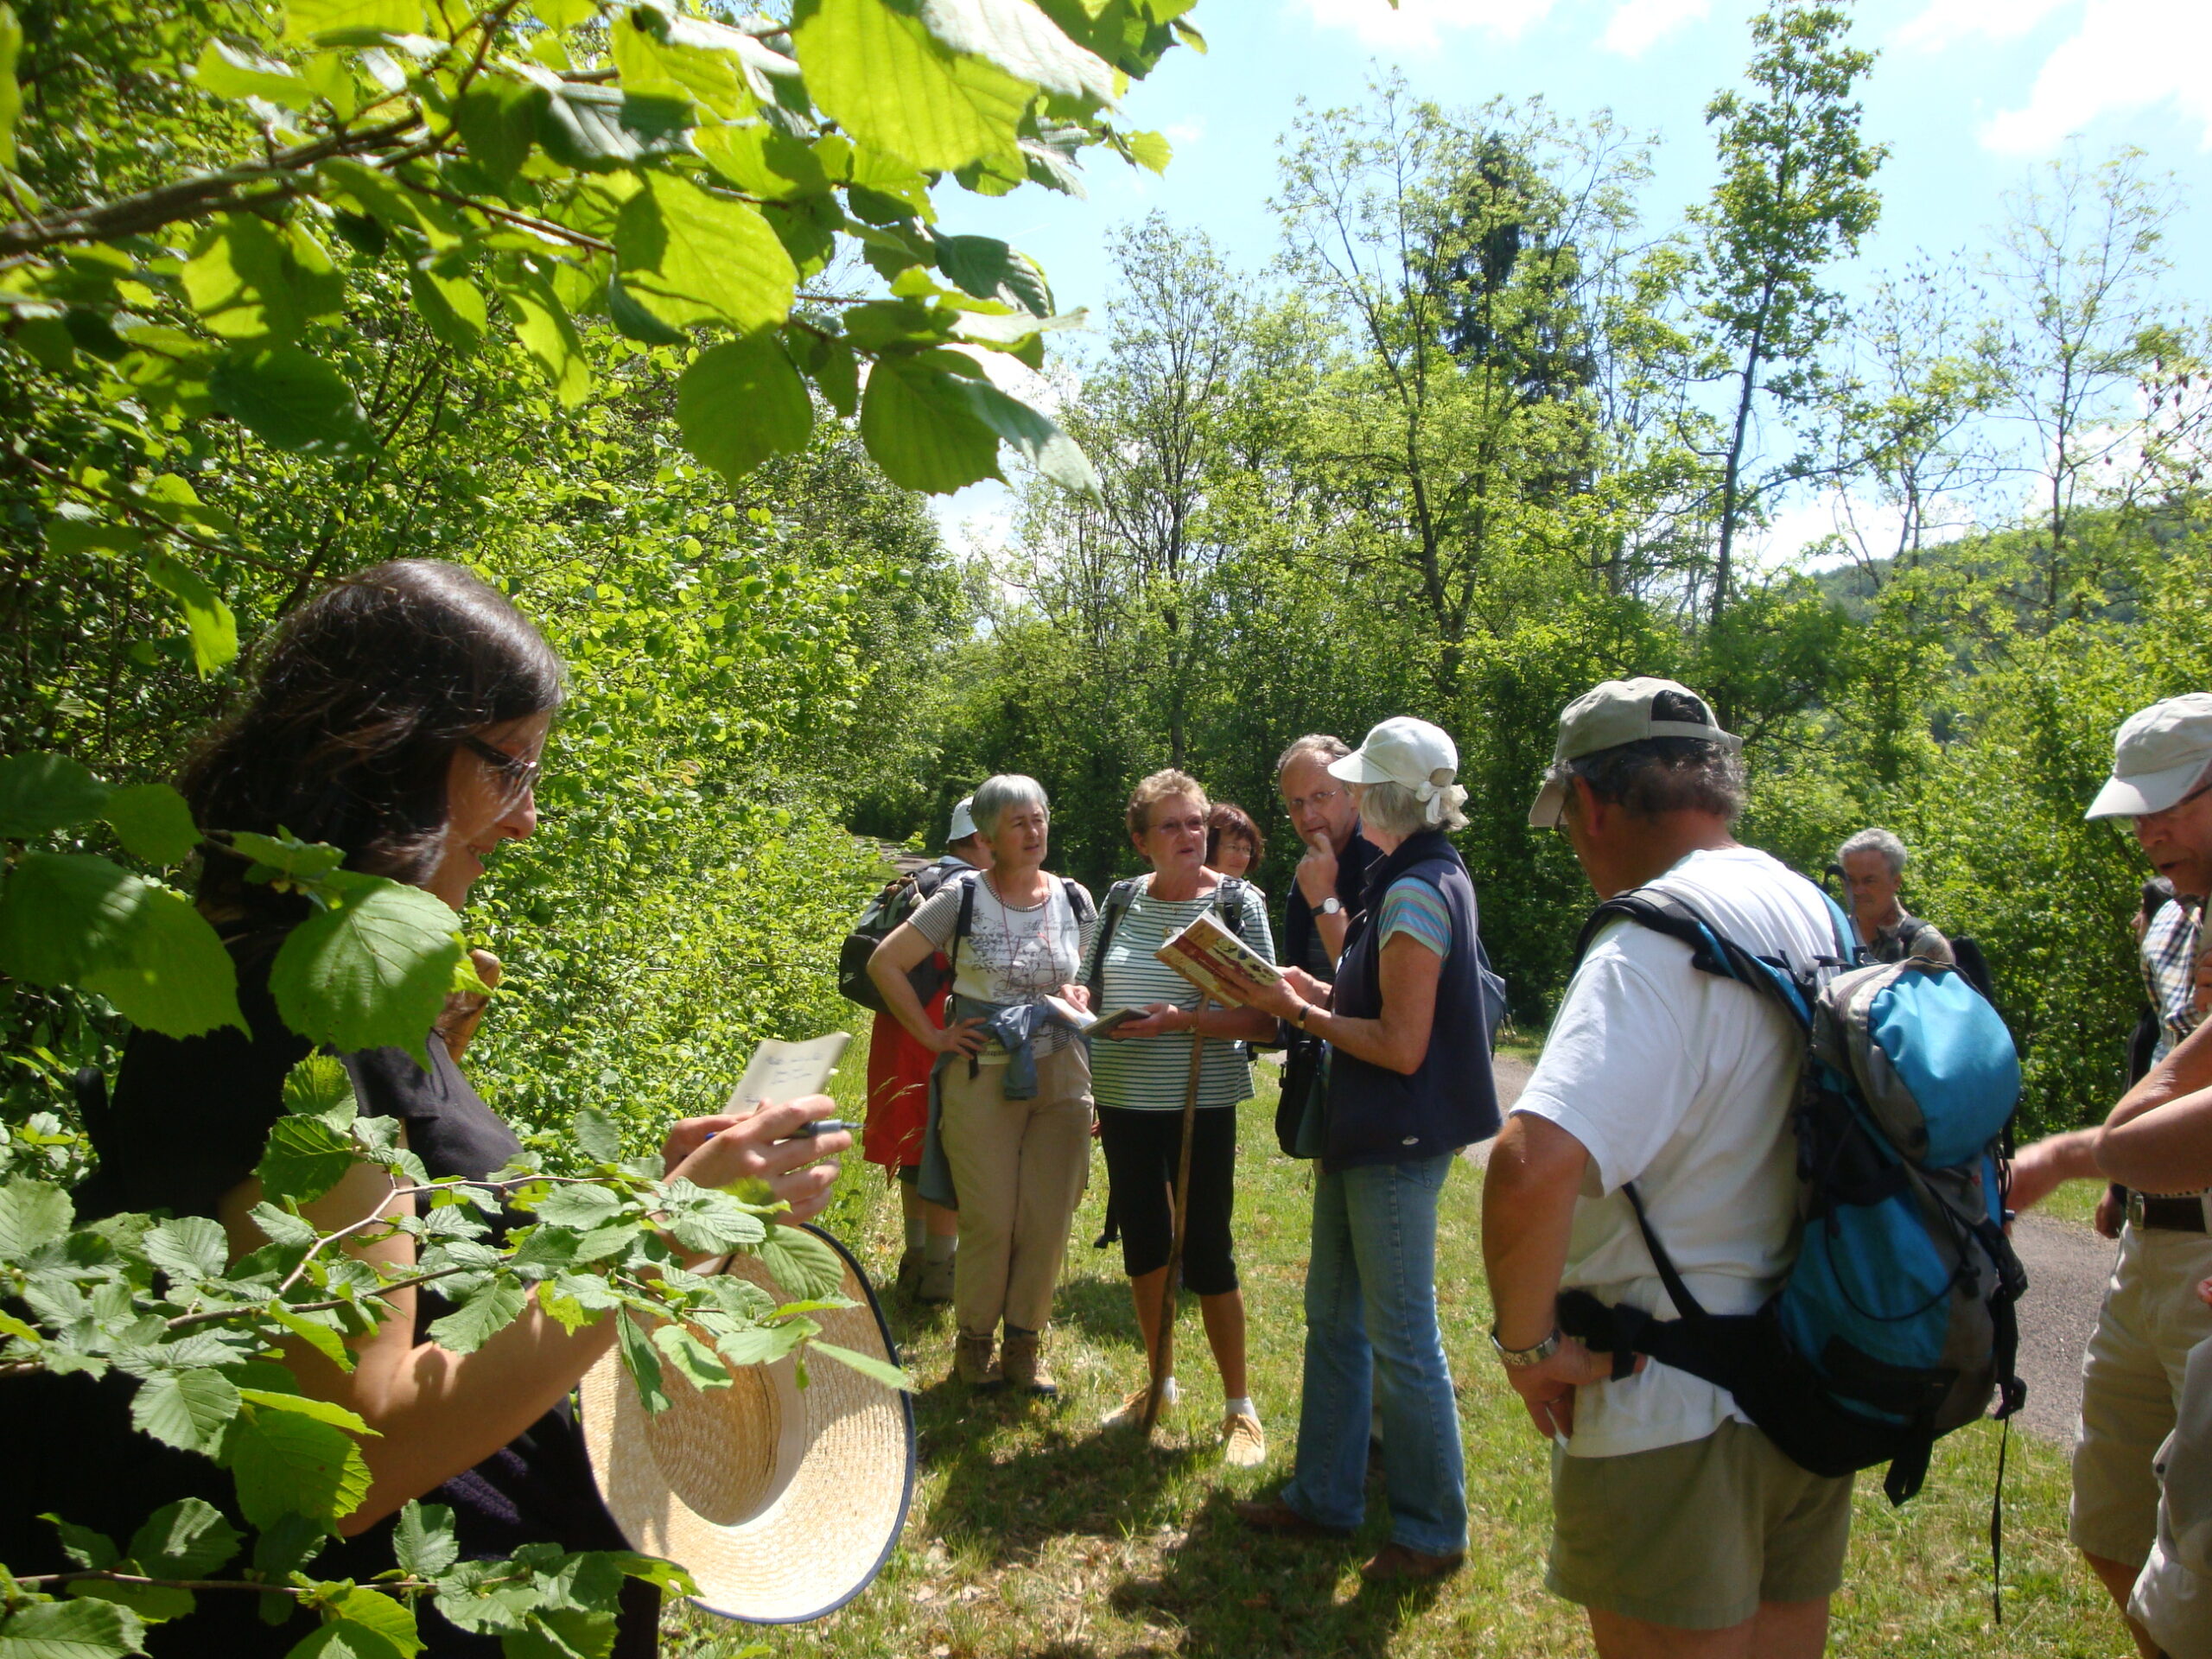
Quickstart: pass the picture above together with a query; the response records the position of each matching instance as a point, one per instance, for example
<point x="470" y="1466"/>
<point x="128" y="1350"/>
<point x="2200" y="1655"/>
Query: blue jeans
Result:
<point x="1370" y="1314"/>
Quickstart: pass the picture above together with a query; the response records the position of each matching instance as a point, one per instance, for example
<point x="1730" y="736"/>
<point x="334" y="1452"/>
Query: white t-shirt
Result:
<point x="1010" y="955"/>
<point x="1682" y="1082"/>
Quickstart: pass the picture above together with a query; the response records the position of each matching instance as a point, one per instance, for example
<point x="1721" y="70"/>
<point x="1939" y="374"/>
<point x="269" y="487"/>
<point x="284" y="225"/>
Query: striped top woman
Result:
<point x="1140" y="1076"/>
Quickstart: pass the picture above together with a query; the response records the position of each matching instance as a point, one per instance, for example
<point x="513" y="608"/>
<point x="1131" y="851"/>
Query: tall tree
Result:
<point x="1462" y="255"/>
<point x="2081" y="258"/>
<point x="1793" y="194"/>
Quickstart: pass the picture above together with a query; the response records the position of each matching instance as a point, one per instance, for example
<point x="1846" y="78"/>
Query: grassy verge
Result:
<point x="1036" y="1534"/>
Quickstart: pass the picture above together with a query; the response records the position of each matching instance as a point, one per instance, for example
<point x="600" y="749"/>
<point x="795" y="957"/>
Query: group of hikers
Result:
<point x="1648" y="1184"/>
<point x="1664" y="1107"/>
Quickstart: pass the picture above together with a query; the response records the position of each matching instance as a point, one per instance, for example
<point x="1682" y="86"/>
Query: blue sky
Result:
<point x="1970" y="95"/>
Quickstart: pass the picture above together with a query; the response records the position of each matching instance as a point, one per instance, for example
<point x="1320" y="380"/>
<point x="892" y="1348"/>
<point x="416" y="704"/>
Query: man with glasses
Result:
<point x="2131" y="1377"/>
<point x="1333" y="871"/>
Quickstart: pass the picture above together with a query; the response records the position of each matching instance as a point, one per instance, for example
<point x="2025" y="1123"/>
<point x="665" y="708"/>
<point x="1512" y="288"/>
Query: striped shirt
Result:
<point x="1152" y="1073"/>
<point x="1412" y="907"/>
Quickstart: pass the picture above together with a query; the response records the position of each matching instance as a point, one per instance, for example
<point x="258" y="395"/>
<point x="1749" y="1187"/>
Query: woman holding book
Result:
<point x="1408" y="1084"/>
<point x="1142" y="1075"/>
<point x="1011" y="1089"/>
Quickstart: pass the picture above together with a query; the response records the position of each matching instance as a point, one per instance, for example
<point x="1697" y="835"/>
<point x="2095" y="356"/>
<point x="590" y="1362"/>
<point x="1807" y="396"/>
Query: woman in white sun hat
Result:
<point x="1408" y="1085"/>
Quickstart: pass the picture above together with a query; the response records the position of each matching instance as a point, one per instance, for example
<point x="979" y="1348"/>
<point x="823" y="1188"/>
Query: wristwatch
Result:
<point x="1332" y="905"/>
<point x="1522" y="1359"/>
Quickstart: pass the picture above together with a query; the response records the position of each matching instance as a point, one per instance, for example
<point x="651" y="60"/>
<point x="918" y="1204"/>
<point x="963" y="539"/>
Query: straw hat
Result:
<point x="783" y="1502"/>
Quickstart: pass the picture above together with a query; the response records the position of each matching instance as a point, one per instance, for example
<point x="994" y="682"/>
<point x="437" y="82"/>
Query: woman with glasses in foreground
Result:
<point x="401" y="716"/>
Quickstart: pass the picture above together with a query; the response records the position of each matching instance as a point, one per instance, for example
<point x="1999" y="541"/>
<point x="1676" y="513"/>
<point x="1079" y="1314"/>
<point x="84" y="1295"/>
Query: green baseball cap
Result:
<point x="1624" y="711"/>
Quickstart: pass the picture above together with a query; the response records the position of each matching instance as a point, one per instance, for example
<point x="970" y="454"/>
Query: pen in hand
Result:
<point x="808" y="1131"/>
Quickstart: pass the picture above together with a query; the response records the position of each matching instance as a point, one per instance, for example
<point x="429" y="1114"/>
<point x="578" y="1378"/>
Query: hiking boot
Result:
<point x="1273" y="1515"/>
<point x="909" y="1272"/>
<point x="933" y="1284"/>
<point x="1130" y="1412"/>
<point x="1395" y="1563"/>
<point x="1023" y="1355"/>
<point x="1244" y="1442"/>
<point x="974" y="1363"/>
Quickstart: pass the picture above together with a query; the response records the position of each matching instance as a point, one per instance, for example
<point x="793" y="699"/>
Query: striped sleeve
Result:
<point x="1414" y="906"/>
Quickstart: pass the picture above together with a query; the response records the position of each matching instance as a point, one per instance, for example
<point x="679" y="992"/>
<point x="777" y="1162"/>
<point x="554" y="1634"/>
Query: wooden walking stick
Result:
<point x="1163" y="1350"/>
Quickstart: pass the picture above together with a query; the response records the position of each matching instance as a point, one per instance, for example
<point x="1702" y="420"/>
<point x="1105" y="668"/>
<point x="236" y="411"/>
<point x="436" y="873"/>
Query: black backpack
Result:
<point x="901" y="897"/>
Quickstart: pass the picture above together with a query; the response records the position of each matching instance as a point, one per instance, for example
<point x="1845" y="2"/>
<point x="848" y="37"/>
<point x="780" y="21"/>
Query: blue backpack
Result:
<point x="1897" y="1322"/>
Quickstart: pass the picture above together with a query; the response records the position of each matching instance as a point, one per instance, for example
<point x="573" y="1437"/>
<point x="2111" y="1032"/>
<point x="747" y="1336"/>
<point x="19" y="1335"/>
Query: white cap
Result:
<point x="1624" y="711"/>
<point x="2157" y="758"/>
<point x="1402" y="750"/>
<point x="963" y="820"/>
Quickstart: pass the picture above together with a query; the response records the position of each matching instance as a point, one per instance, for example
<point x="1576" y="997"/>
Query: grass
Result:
<point x="1035" y="1534"/>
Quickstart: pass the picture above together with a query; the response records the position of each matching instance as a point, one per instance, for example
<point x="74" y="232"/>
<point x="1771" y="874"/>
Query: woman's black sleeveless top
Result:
<point x="188" y="1124"/>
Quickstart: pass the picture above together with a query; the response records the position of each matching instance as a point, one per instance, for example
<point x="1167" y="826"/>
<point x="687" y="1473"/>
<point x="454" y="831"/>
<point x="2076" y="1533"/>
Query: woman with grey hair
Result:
<point x="1873" y="862"/>
<point x="1011" y="1103"/>
<point x="1408" y="1085"/>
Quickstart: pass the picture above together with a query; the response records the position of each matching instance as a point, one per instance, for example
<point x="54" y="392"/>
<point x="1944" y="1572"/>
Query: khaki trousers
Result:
<point x="1019" y="1166"/>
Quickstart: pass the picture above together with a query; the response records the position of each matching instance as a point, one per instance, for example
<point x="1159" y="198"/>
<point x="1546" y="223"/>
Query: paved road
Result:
<point x="2067" y="1266"/>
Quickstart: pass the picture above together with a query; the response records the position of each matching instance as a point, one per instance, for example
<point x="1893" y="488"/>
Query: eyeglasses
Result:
<point x="2147" y="817"/>
<point x="1319" y="798"/>
<point x="521" y="773"/>
<point x="1189" y="826"/>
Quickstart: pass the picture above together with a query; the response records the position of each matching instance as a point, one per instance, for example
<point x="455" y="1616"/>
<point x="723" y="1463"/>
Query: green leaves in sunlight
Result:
<point x="741" y="401"/>
<point x="369" y="969"/>
<point x="78" y="919"/>
<point x="689" y="256"/>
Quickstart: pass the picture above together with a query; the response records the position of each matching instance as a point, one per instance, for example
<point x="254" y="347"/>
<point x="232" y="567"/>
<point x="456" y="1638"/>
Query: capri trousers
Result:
<point x="1143" y="1150"/>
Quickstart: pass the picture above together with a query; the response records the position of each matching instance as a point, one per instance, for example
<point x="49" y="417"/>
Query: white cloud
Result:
<point x="1639" y="24"/>
<point x="1419" y="26"/>
<point x="1946" y="22"/>
<point x="1183" y="134"/>
<point x="2126" y="55"/>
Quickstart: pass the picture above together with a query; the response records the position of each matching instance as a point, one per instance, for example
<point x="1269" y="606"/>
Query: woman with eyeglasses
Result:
<point x="1141" y="1075"/>
<point x="401" y="716"/>
<point x="1233" y="843"/>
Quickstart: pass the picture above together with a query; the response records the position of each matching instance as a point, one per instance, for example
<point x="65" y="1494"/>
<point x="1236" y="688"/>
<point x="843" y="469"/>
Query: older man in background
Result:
<point x="1873" y="862"/>
<point x="1327" y="888"/>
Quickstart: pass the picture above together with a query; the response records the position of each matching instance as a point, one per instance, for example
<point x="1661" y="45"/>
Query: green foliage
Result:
<point x="201" y="1337"/>
<point x="514" y="183"/>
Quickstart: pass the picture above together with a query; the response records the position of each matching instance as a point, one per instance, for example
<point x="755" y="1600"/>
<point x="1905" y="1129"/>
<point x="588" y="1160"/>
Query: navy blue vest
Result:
<point x="1380" y="1116"/>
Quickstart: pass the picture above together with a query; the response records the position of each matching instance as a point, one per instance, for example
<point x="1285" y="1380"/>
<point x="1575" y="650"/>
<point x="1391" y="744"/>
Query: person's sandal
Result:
<point x="974" y="1363"/>
<point x="1022" y="1356"/>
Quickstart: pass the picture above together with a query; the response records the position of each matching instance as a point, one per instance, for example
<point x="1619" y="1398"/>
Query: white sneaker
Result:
<point x="1130" y="1412"/>
<point x="1244" y="1442"/>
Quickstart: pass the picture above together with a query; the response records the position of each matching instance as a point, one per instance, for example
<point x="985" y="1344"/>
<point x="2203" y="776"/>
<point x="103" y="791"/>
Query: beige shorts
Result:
<point x="2131" y="1377"/>
<point x="1696" y="1536"/>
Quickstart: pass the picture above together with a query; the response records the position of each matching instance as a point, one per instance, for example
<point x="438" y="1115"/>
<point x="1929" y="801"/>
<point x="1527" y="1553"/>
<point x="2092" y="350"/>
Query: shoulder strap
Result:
<point x="964" y="923"/>
<point x="1117" y="901"/>
<point x="1711" y="950"/>
<point x="1229" y="903"/>
<point x="1079" y="900"/>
